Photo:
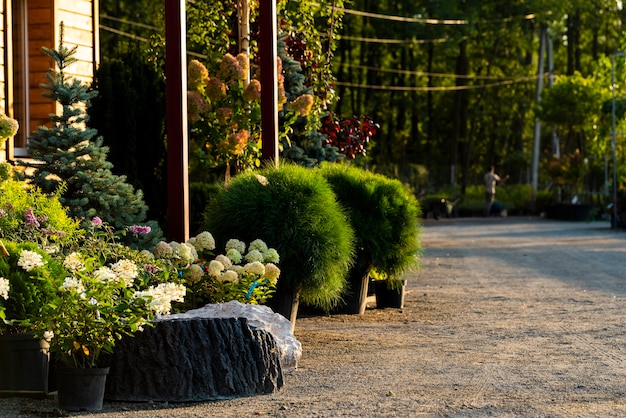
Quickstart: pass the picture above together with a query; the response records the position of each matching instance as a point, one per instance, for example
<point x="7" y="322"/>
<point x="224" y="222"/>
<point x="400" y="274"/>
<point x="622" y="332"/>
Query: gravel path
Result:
<point x="507" y="317"/>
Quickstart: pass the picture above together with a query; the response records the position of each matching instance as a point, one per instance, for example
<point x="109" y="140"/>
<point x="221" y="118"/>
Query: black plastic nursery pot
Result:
<point x="388" y="295"/>
<point x="24" y="365"/>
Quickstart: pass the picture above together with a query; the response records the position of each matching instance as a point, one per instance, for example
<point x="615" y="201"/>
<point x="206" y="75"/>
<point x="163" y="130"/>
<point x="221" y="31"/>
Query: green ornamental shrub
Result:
<point x="29" y="271"/>
<point x="295" y="211"/>
<point x="69" y="155"/>
<point x="386" y="222"/>
<point x="27" y="214"/>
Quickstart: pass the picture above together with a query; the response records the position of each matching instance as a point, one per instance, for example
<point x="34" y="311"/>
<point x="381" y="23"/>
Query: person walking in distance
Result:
<point x="491" y="178"/>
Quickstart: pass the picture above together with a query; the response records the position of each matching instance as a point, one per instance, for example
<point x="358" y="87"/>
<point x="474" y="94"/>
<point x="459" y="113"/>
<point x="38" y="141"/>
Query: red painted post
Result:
<point x="177" y="145"/>
<point x="269" y="80"/>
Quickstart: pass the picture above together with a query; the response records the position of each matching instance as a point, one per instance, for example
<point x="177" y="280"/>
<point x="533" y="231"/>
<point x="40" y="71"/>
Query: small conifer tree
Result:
<point x="67" y="156"/>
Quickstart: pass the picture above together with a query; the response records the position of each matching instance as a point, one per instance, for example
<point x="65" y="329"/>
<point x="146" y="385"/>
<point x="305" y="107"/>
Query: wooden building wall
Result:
<point x="80" y="19"/>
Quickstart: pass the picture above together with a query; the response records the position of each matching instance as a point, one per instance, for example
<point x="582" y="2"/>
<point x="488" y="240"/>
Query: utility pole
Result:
<point x="537" y="135"/>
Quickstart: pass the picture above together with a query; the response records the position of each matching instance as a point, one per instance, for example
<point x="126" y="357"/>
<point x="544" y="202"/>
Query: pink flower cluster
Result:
<point x="139" y="230"/>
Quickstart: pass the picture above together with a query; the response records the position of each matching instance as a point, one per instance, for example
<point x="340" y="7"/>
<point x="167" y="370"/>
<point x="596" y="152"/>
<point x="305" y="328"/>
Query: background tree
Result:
<point x="68" y="158"/>
<point x="129" y="113"/>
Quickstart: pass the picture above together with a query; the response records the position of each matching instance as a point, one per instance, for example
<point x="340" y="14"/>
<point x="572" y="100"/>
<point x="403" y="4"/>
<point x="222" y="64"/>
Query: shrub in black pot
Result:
<point x="295" y="211"/>
<point x="386" y="221"/>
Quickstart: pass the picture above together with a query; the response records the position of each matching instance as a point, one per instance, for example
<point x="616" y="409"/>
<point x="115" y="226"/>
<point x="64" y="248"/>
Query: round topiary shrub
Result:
<point x="386" y="222"/>
<point x="295" y="211"/>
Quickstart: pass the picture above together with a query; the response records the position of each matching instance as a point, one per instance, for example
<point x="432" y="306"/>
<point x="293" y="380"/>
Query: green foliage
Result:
<point x="293" y="210"/>
<point x="224" y="117"/>
<point x="49" y="225"/>
<point x="67" y="154"/>
<point x="384" y="216"/>
<point x="129" y="113"/>
<point x="199" y="196"/>
<point x="30" y="290"/>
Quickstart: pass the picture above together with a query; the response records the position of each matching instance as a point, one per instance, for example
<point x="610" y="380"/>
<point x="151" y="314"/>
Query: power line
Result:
<point x="423" y="73"/>
<point x="129" y="22"/>
<point x="141" y="39"/>
<point x="440" y="88"/>
<point x="397" y="41"/>
<point x="428" y="21"/>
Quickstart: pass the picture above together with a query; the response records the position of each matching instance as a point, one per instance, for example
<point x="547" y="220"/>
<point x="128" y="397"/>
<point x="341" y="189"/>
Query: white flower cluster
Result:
<point x="125" y="270"/>
<point x="162" y="296"/>
<point x="73" y="283"/>
<point x="203" y="241"/>
<point x="259" y="258"/>
<point x="73" y="262"/>
<point x="30" y="260"/>
<point x="104" y="275"/>
<point x="185" y="252"/>
<point x="4" y="288"/>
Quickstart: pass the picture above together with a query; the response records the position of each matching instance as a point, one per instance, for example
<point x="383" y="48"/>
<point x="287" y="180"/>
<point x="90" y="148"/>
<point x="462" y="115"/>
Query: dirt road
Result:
<point x="507" y="317"/>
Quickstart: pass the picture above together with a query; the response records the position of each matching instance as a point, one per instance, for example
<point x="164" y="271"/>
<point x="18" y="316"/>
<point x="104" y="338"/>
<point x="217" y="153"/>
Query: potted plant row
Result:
<point x="332" y="226"/>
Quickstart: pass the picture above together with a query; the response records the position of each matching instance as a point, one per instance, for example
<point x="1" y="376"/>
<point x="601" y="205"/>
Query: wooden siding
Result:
<point x="41" y="30"/>
<point x="78" y="20"/>
<point x="44" y="18"/>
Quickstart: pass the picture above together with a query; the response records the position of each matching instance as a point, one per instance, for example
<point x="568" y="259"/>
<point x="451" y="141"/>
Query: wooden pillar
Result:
<point x="177" y="144"/>
<point x="269" y="80"/>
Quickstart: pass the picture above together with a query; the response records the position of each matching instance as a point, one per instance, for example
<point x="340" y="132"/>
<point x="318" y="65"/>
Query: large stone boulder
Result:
<point x="194" y="359"/>
<point x="259" y="317"/>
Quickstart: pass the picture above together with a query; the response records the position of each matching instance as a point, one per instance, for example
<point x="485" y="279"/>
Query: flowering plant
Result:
<point x="25" y="283"/>
<point x="224" y="114"/>
<point x="350" y="135"/>
<point x="27" y="214"/>
<point x="247" y="277"/>
<point x="107" y="290"/>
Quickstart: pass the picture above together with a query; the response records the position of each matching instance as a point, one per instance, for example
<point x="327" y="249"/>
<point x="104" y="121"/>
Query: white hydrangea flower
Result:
<point x="215" y="268"/>
<point x="224" y="260"/>
<point x="162" y="296"/>
<point x="126" y="270"/>
<point x="258" y="244"/>
<point x="73" y="262"/>
<point x="105" y="274"/>
<point x="4" y="288"/>
<point x="195" y="272"/>
<point x="271" y="256"/>
<point x="73" y="283"/>
<point x="256" y="267"/>
<point x="51" y="249"/>
<point x="30" y="260"/>
<point x="254" y="255"/>
<point x="272" y="272"/>
<point x="238" y="269"/>
<point x="234" y="256"/>
<point x="204" y="241"/>
<point x="229" y="276"/>
<point x="163" y="250"/>
<point x="237" y="245"/>
<point x="93" y="301"/>
<point x="185" y="252"/>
